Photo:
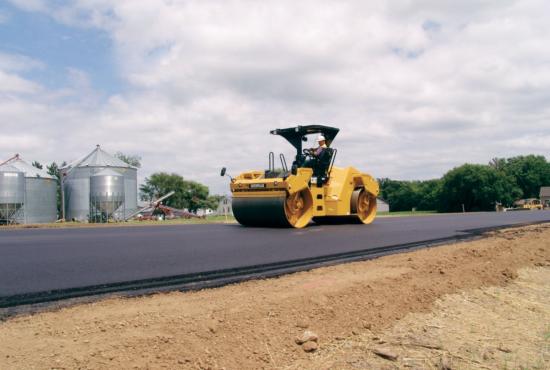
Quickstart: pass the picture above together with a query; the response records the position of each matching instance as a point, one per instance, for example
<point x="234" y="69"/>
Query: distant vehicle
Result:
<point x="530" y="204"/>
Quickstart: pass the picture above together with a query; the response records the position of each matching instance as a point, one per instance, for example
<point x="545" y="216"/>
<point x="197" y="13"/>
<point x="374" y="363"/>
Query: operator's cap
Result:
<point x="321" y="138"/>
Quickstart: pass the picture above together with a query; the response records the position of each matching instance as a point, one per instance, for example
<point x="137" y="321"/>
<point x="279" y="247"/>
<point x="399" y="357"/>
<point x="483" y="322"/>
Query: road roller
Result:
<point x="313" y="189"/>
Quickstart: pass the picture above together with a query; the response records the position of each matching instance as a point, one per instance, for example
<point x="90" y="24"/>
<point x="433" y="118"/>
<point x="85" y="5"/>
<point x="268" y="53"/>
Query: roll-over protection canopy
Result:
<point x="295" y="135"/>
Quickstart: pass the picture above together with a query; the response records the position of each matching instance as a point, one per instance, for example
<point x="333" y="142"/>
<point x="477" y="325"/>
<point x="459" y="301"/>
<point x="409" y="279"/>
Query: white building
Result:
<point x="224" y="207"/>
<point x="545" y="196"/>
<point x="382" y="206"/>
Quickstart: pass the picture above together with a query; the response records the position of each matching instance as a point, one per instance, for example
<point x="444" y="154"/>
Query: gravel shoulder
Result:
<point x="480" y="304"/>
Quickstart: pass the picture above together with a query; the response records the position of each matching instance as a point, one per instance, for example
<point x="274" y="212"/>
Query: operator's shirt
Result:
<point x="320" y="150"/>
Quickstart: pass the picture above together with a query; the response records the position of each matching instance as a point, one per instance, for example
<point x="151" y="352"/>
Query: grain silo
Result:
<point x="40" y="204"/>
<point x="77" y="177"/>
<point x="106" y="195"/>
<point x="12" y="194"/>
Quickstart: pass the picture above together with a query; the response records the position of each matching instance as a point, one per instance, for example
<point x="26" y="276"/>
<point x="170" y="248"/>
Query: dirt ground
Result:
<point x="483" y="304"/>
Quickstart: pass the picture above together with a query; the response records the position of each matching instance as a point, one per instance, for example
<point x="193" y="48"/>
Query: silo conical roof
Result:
<point x="8" y="168"/>
<point x="98" y="158"/>
<point x="29" y="170"/>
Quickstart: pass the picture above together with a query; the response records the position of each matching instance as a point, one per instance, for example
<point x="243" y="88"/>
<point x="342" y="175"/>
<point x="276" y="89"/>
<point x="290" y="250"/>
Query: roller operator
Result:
<point x="316" y="153"/>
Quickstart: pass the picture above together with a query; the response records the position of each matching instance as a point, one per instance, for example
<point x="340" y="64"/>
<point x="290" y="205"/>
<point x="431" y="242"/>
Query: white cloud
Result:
<point x="10" y="80"/>
<point x="15" y="84"/>
<point x="416" y="87"/>
<point x="18" y="63"/>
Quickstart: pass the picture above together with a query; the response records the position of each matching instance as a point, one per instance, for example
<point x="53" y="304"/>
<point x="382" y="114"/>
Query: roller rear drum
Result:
<point x="363" y="204"/>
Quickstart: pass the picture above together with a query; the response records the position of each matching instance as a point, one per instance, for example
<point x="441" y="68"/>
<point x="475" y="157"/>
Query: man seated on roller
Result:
<point x="316" y="153"/>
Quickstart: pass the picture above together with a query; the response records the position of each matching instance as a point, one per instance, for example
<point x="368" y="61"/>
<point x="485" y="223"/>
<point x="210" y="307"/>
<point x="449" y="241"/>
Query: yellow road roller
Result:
<point x="312" y="189"/>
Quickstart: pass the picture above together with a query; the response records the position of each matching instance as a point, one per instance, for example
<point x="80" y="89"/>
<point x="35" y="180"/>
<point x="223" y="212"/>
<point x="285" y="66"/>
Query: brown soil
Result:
<point x="490" y="328"/>
<point x="424" y="307"/>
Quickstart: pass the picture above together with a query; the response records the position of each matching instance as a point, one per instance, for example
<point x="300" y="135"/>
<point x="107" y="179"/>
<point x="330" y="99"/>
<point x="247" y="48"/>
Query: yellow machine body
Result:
<point x="313" y="189"/>
<point x="295" y="200"/>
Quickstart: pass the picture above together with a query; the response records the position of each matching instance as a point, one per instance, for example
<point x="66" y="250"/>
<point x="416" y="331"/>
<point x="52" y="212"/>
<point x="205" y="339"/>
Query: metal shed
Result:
<point x="76" y="184"/>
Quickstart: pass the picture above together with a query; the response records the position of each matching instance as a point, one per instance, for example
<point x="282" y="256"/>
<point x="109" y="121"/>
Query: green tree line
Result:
<point x="475" y="187"/>
<point x="188" y="194"/>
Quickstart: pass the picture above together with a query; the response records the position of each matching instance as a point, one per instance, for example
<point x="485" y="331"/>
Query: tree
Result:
<point x="162" y="183"/>
<point x="477" y="187"/>
<point x="405" y="195"/>
<point x="428" y="194"/>
<point x="188" y="194"/>
<point x="53" y="170"/>
<point x="399" y="194"/>
<point x="37" y="164"/>
<point x="195" y="195"/>
<point x="530" y="172"/>
<point x="212" y="202"/>
<point x="498" y="163"/>
<point x="132" y="160"/>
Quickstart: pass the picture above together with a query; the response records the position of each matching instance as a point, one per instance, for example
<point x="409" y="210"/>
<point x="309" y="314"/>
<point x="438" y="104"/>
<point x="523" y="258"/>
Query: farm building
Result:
<point x="545" y="195"/>
<point x="382" y="205"/>
<point x="224" y="207"/>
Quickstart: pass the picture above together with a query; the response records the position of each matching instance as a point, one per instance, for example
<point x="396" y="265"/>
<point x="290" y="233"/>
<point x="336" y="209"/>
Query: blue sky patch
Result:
<point x="59" y="48"/>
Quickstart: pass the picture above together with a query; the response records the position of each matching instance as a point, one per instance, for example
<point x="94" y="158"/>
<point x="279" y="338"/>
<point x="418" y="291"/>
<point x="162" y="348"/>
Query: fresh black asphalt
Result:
<point x="38" y="260"/>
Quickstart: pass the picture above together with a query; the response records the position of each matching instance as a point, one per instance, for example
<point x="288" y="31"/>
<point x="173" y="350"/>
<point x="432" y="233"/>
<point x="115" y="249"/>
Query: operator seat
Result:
<point x="322" y="166"/>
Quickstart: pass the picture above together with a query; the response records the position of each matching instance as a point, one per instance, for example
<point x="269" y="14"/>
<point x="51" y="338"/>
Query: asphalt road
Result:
<point x="38" y="260"/>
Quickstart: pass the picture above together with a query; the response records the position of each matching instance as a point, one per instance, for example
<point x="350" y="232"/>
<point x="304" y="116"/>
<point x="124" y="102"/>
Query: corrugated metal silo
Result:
<point x="77" y="183"/>
<point x="40" y="194"/>
<point x="106" y="196"/>
<point x="12" y="194"/>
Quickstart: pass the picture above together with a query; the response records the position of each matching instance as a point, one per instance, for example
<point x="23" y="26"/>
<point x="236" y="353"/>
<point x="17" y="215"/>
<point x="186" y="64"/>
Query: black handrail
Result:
<point x="283" y="162"/>
<point x="335" y="151"/>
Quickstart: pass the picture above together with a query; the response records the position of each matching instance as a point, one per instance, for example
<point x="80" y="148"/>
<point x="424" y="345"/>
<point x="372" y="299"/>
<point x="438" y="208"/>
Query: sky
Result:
<point x="416" y="87"/>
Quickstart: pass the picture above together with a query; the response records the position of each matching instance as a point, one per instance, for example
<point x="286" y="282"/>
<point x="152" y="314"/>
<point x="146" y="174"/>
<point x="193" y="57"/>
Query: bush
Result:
<point x="477" y="187"/>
